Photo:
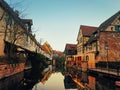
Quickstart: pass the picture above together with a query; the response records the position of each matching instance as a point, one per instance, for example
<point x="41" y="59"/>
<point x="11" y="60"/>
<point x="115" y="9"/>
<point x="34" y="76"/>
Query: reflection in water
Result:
<point x="92" y="82"/>
<point x="11" y="83"/>
<point x="54" y="79"/>
<point x="55" y="82"/>
<point x="31" y="77"/>
<point x="69" y="83"/>
<point x="107" y="84"/>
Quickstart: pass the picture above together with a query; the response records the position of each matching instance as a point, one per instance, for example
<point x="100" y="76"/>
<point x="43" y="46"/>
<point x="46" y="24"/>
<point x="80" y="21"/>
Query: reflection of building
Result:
<point x="46" y="75"/>
<point x="92" y="82"/>
<point x="69" y="83"/>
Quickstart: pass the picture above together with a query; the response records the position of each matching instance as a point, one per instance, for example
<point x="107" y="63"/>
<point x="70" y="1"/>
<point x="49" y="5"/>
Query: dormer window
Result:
<point x="117" y="28"/>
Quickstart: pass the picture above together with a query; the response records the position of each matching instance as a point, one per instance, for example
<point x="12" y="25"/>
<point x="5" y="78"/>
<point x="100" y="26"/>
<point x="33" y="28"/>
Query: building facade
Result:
<point x="103" y="45"/>
<point x="84" y="34"/>
<point x="98" y="47"/>
<point x="70" y="51"/>
<point x="16" y="40"/>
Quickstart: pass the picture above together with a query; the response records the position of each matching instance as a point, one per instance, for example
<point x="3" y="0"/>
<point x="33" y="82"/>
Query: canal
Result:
<point x="52" y="78"/>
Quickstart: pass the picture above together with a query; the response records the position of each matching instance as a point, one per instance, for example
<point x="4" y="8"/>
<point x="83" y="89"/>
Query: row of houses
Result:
<point x="17" y="31"/>
<point x="97" y="47"/>
<point x="17" y="41"/>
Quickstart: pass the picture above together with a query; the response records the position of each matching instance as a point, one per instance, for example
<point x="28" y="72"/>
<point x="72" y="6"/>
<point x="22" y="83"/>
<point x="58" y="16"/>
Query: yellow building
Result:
<point x="83" y="36"/>
<point x="48" y="50"/>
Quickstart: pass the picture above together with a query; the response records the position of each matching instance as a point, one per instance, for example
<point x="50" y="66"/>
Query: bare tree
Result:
<point x="12" y="35"/>
<point x="12" y="32"/>
<point x="18" y="5"/>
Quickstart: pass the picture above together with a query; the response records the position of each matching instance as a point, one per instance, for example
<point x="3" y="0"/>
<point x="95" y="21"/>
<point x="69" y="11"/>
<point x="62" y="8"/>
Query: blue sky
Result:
<point x="58" y="21"/>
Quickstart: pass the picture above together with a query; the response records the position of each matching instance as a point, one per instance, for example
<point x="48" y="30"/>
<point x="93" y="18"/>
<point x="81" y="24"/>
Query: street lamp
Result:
<point x="106" y="47"/>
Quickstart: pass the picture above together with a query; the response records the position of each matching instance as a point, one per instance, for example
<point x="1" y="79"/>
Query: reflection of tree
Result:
<point x="14" y="35"/>
<point x="18" y="5"/>
<point x="38" y="61"/>
<point x="60" y="61"/>
<point x="69" y="83"/>
<point x="60" y="64"/>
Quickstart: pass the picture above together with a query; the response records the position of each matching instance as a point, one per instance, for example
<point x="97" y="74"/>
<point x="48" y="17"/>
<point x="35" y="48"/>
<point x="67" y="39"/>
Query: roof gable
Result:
<point x="71" y="46"/>
<point x="86" y="30"/>
<point x="10" y="11"/>
<point x="109" y="21"/>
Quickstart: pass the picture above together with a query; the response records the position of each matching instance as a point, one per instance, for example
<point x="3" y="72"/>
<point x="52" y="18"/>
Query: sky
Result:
<point x="58" y="21"/>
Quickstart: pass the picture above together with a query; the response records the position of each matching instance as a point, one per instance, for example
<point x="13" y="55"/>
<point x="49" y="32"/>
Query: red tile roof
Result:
<point x="71" y="46"/>
<point x="88" y="30"/>
<point x="59" y="53"/>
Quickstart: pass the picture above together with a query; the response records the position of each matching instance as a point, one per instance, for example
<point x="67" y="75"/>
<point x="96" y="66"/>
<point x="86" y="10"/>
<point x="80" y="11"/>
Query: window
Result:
<point x="117" y="28"/>
<point x="87" y="58"/>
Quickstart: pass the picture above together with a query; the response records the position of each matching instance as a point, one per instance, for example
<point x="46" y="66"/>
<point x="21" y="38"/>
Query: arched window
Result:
<point x="87" y="58"/>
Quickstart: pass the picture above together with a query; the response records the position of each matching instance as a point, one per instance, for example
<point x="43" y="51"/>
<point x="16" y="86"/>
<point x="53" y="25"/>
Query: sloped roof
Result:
<point x="103" y="26"/>
<point x="27" y="21"/>
<point x="108" y="22"/>
<point x="59" y="53"/>
<point x="44" y="49"/>
<point x="87" y="30"/>
<point x="9" y="10"/>
<point x="48" y="47"/>
<point x="71" y="46"/>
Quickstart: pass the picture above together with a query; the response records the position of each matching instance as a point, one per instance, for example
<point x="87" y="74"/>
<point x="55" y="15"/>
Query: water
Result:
<point x="12" y="82"/>
<point x="57" y="79"/>
<point x="55" y="82"/>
